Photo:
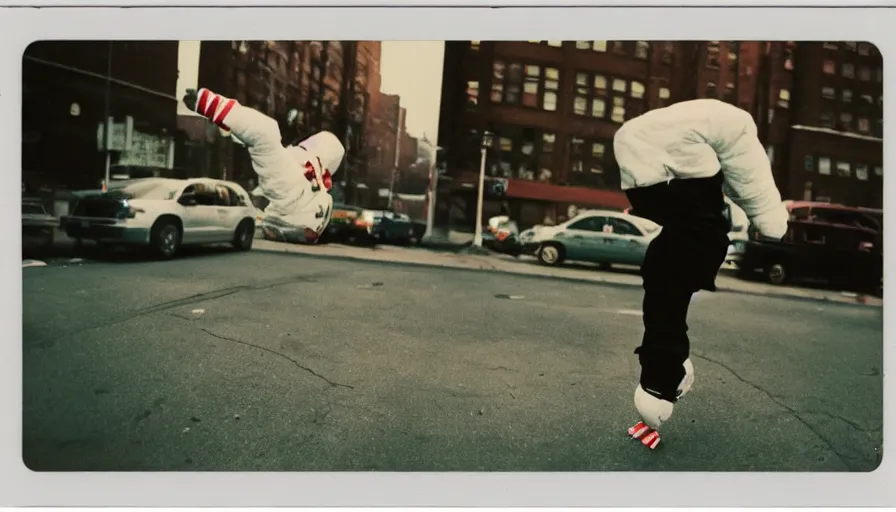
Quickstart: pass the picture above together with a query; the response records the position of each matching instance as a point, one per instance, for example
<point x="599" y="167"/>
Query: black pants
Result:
<point x="683" y="259"/>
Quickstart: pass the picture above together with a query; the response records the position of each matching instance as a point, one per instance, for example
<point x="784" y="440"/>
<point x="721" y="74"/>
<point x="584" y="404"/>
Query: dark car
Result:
<point x="393" y="228"/>
<point x="847" y="257"/>
<point x="350" y="224"/>
<point x="37" y="223"/>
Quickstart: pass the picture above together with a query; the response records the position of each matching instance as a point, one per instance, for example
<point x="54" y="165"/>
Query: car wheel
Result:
<point x="244" y="235"/>
<point x="550" y="254"/>
<point x="165" y="239"/>
<point x="776" y="273"/>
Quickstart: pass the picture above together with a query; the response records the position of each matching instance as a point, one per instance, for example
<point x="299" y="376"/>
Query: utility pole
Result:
<point x="107" y="123"/>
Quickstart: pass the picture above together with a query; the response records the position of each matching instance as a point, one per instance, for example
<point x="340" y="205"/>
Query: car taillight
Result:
<point x="361" y="223"/>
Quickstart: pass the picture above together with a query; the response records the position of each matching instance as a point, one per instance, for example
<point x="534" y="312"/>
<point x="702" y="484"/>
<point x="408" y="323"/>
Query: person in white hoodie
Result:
<point x="676" y="165"/>
<point x="296" y="180"/>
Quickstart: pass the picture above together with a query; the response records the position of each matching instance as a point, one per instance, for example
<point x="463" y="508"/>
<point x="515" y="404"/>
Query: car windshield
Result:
<point x="146" y="190"/>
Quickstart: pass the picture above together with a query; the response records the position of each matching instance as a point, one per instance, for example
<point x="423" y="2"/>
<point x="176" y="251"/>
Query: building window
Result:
<point x="784" y="98"/>
<point x="642" y="50"/>
<point x="592" y="96"/>
<point x="850" y="45"/>
<point x="865" y="73"/>
<point x="474" y="45"/>
<point x="829" y="93"/>
<point x="712" y="55"/>
<point x="847" y="96"/>
<point x="826" y="119"/>
<point x="555" y="44"/>
<point x="531" y="86"/>
<point x="879" y="74"/>
<point x="867" y="99"/>
<point x="472" y="94"/>
<point x="524" y="153"/>
<point x="711" y="90"/>
<point x="864" y="125"/>
<point x="846" y="121"/>
<point x="597" y="46"/>
<point x="864" y="49"/>
<point x="830" y="45"/>
<point x="849" y="70"/>
<point x="664" y="93"/>
<point x="844" y="170"/>
<point x="829" y="67"/>
<point x="862" y="172"/>
<point x="809" y="163"/>
<point x="788" y="59"/>
<point x="668" y="52"/>
<point x="878" y="171"/>
<point x="515" y="85"/>
<point x="618" y="47"/>
<point x="824" y="166"/>
<point x="588" y="162"/>
<point x="551" y="87"/>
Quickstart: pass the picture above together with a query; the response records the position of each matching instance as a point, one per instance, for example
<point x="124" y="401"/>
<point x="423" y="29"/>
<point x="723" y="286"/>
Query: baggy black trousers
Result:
<point x="684" y="258"/>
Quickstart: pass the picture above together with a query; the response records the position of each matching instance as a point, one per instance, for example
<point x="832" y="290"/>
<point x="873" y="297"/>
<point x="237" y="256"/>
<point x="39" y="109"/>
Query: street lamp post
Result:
<point x="433" y="190"/>
<point x="487" y="142"/>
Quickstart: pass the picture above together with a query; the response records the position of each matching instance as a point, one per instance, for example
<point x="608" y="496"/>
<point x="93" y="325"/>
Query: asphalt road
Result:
<point x="261" y="361"/>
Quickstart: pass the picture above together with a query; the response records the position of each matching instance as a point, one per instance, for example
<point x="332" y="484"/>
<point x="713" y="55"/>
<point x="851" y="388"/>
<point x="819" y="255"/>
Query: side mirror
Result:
<point x="188" y="200"/>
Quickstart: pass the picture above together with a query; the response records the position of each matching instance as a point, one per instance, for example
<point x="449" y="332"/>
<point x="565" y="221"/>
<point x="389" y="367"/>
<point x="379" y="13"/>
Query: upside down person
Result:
<point x="296" y="180"/>
<point x="676" y="164"/>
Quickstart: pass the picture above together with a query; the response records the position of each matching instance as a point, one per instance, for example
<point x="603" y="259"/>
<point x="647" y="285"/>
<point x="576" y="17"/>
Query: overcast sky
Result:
<point x="411" y="69"/>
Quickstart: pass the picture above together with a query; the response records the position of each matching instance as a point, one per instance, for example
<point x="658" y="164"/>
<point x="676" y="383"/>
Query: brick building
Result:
<point x="554" y="107"/>
<point x="69" y="87"/>
<point x="828" y="125"/>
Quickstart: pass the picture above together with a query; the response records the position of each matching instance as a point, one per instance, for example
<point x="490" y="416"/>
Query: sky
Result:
<point x="411" y="69"/>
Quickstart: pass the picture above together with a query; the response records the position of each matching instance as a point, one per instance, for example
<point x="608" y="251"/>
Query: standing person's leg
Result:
<point x="683" y="259"/>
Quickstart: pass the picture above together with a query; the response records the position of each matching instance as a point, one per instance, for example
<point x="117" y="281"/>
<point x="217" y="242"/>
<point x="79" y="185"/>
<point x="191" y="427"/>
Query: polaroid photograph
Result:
<point x="404" y="255"/>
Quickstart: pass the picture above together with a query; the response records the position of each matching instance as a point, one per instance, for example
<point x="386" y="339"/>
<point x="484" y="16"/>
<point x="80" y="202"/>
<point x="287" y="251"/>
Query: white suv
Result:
<point x="166" y="214"/>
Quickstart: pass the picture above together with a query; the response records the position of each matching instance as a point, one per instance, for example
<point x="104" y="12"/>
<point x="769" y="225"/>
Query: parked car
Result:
<point x="392" y="227"/>
<point x="596" y="236"/>
<point x="37" y="223"/>
<point x="165" y="214"/>
<point x="350" y="224"/>
<point x="847" y="257"/>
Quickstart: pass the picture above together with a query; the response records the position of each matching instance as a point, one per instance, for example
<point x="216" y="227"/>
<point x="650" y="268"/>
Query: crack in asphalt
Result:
<point x="793" y="412"/>
<point x="284" y="356"/>
<point x="185" y="301"/>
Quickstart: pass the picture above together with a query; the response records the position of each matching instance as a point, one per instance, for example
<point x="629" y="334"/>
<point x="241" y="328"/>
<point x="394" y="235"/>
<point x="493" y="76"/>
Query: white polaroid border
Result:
<point x="19" y="27"/>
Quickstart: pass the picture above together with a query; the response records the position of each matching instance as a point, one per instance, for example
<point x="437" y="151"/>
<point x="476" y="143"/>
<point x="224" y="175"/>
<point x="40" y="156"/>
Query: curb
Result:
<point x="598" y="281"/>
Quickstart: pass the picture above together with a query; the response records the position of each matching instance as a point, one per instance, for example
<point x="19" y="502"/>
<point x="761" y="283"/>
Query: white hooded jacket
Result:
<point x="696" y="139"/>
<point x="296" y="179"/>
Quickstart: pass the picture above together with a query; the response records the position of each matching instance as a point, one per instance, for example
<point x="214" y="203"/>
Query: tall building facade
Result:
<point x="71" y="87"/>
<point x="832" y="116"/>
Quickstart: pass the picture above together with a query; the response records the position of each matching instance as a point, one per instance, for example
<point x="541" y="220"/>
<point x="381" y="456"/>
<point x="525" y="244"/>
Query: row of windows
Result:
<point x="841" y="168"/>
<point x="528" y="154"/>
<point x="846" y="96"/>
<point x="845" y="122"/>
<point x="853" y="46"/>
<point x="534" y="86"/>
<point x="848" y="70"/>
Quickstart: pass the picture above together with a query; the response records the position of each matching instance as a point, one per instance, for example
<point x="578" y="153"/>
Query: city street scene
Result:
<point x="423" y="256"/>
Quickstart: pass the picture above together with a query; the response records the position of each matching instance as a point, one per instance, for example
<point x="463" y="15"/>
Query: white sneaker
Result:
<point x="656" y="411"/>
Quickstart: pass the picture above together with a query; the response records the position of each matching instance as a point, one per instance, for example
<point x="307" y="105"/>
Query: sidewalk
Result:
<point x="528" y="267"/>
